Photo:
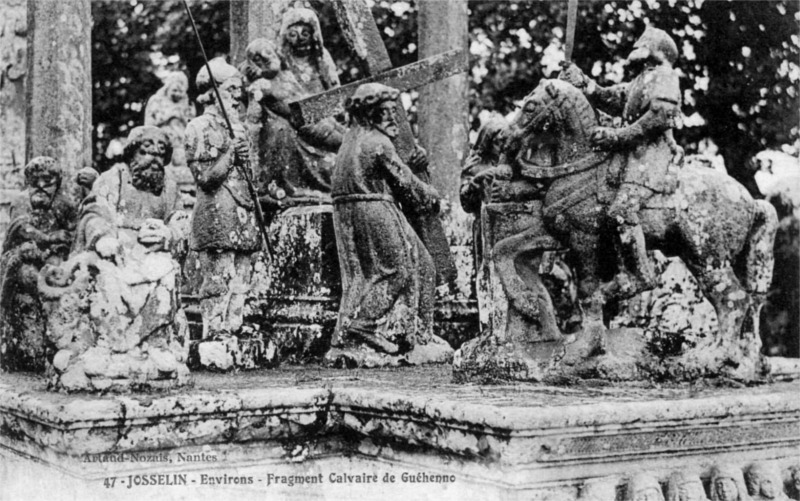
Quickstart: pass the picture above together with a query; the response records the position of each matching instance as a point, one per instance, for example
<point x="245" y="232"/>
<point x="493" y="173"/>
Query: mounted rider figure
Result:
<point x="650" y="106"/>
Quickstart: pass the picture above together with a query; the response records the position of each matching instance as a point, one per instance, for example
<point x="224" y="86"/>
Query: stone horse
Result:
<point x="705" y="217"/>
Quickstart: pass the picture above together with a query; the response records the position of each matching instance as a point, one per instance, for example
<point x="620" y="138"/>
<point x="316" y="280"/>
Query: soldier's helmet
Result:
<point x="655" y="44"/>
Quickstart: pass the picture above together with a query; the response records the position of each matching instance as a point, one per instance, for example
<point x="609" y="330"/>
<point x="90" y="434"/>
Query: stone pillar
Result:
<point x="443" y="131"/>
<point x="13" y="67"/>
<point x="443" y="121"/>
<point x="59" y="83"/>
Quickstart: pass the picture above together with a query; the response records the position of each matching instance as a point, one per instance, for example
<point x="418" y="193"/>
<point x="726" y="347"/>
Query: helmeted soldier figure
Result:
<point x="650" y="106"/>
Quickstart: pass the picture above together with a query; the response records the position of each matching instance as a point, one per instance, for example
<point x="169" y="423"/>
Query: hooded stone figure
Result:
<point x="388" y="277"/>
<point x="294" y="164"/>
<point x="764" y="482"/>
<point x="169" y="109"/>
<point x="303" y="53"/>
<point x="41" y="230"/>
<point x="650" y="106"/>
<point x="685" y="485"/>
<point x="224" y="229"/>
<point x="644" y="487"/>
<point x="727" y="484"/>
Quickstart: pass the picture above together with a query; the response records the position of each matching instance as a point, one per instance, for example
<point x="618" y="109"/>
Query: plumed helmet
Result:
<point x="42" y="165"/>
<point x="658" y="43"/>
<point x="139" y="135"/>
<point x="367" y="96"/>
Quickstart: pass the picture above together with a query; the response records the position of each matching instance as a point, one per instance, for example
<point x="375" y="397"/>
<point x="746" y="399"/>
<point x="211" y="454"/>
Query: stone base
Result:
<point x="436" y="351"/>
<point x="438" y="439"/>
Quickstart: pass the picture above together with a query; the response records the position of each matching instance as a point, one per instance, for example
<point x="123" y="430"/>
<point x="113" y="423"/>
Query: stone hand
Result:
<point x="499" y="173"/>
<point x="605" y="138"/>
<point x="107" y="247"/>
<point x="241" y="147"/>
<point x="60" y="236"/>
<point x="154" y="235"/>
<point x="418" y="161"/>
<point x="573" y="75"/>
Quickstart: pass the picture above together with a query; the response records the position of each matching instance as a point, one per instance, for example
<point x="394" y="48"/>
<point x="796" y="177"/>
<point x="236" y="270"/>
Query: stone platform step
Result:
<point x="516" y="441"/>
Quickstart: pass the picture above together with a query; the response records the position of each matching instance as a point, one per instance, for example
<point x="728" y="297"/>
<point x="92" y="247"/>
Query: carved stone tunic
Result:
<point x="224" y="217"/>
<point x="388" y="277"/>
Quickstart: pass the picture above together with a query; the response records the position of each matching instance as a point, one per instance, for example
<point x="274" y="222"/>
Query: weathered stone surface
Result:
<point x="43" y="220"/>
<point x="388" y="276"/>
<point x="529" y="442"/>
<point x="607" y="191"/>
<point x="764" y="482"/>
<point x="294" y="299"/>
<point x="58" y="84"/>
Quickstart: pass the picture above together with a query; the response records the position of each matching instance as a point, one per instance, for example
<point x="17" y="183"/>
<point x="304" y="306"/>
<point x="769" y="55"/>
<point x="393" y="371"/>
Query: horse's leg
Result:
<point x="726" y="294"/>
<point x="591" y="296"/>
<point x="521" y="282"/>
<point x="759" y="258"/>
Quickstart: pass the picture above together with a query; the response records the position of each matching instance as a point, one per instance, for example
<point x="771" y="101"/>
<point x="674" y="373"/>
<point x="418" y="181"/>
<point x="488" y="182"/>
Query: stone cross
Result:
<point x="362" y="35"/>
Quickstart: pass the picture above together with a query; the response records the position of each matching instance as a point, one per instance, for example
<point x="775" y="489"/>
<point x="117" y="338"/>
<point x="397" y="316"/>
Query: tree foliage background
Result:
<point x="739" y="66"/>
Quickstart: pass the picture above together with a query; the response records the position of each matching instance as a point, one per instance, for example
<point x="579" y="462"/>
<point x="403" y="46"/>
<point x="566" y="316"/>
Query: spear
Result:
<point x="243" y="170"/>
<point x="572" y="21"/>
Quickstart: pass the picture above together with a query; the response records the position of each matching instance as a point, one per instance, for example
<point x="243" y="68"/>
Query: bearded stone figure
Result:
<point x="113" y="312"/>
<point x="42" y="223"/>
<point x="727" y="484"/>
<point x="388" y="276"/>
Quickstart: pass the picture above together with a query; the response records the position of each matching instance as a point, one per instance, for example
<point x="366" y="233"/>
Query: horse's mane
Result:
<point x="572" y="104"/>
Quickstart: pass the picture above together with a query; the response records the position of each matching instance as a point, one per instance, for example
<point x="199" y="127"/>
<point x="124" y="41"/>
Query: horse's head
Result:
<point x="555" y="117"/>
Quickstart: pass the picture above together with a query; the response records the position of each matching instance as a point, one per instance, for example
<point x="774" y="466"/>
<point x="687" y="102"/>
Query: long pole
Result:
<point x="572" y="21"/>
<point x="245" y="172"/>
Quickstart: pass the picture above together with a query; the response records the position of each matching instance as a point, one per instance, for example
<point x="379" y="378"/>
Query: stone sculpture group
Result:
<point x="91" y="289"/>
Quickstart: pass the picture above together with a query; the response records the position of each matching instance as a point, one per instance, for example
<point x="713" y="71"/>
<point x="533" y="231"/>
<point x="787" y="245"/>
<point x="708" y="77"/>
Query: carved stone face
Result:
<point x="231" y="92"/>
<point x="649" y="494"/>
<point x="147" y="167"/>
<point x="384" y="118"/>
<point x="44" y="186"/>
<point x="726" y="489"/>
<point x="692" y="490"/>
<point x="301" y="38"/>
<point x="263" y="63"/>
<point x="176" y="92"/>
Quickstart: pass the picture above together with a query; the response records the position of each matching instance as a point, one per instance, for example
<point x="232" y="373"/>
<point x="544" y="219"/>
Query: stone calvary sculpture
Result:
<point x="114" y="317"/>
<point x="388" y="276"/>
<point x="607" y="192"/>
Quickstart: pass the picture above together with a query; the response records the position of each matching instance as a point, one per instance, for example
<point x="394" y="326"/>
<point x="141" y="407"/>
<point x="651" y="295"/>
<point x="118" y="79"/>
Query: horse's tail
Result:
<point x="759" y="257"/>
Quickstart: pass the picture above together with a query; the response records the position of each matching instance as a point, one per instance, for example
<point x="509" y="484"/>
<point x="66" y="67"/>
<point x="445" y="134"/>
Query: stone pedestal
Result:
<point x="294" y="300"/>
<point x="245" y="436"/>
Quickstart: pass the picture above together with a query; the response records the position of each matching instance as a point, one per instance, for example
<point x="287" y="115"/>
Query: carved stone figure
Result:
<point x="603" y="489"/>
<point x="295" y="163"/>
<point x="139" y="191"/>
<point x="764" y="482"/>
<point x="169" y="109"/>
<point x="42" y="224"/>
<point x="727" y="484"/>
<point x="795" y="482"/>
<point x="714" y="218"/>
<point x="388" y="277"/>
<point x="113" y="309"/>
<point x="224" y="229"/>
<point x="649" y="106"/>
<point x="685" y="485"/>
<point x="644" y="487"/>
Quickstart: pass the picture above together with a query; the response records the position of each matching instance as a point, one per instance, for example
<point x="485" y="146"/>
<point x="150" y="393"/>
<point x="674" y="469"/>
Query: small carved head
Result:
<point x="727" y="484"/>
<point x="43" y="177"/>
<point x="763" y="480"/>
<point x="604" y="489"/>
<point x="147" y="152"/>
<point x="655" y="47"/>
<point x="262" y="60"/>
<point x="375" y="105"/>
<point x="300" y="33"/>
<point x="644" y="487"/>
<point x="176" y="85"/>
<point x="685" y="486"/>
<point x="491" y="139"/>
<point x="229" y="84"/>
<point x="795" y="480"/>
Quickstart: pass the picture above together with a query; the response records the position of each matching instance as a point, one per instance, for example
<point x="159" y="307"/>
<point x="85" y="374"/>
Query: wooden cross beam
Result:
<point x="362" y="35"/>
